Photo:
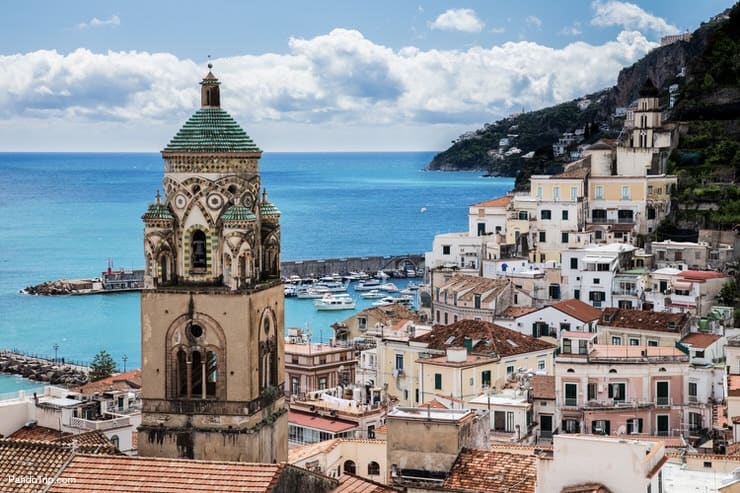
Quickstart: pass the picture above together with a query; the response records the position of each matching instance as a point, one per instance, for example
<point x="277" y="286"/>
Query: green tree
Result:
<point x="102" y="366"/>
<point x="728" y="293"/>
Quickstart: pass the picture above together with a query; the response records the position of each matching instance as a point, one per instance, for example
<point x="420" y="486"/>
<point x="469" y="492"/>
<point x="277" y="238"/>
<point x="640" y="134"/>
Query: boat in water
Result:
<point x="333" y="301"/>
<point x="333" y="286"/>
<point x="368" y="285"/>
<point x="310" y="293"/>
<point x="373" y="294"/>
<point x="388" y="287"/>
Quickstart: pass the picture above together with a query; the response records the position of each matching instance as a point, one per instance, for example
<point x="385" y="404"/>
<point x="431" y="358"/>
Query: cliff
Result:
<point x="538" y="130"/>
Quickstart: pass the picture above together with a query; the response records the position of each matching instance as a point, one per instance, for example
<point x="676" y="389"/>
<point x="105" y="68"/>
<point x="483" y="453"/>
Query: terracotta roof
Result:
<point x="578" y="309"/>
<point x="434" y="404"/>
<point x="586" y="488"/>
<point x="296" y="454"/>
<point x="644" y="320"/>
<point x="27" y="458"/>
<point x="497" y="202"/>
<point x="470" y="360"/>
<point x="121" y="381"/>
<point x="468" y="286"/>
<point x="543" y="387"/>
<point x="382" y="429"/>
<point x="389" y="315"/>
<point x="355" y="484"/>
<point x="700" y="340"/>
<point x="579" y="171"/>
<point x="487" y="471"/>
<point x="38" y="433"/>
<point x="486" y="337"/>
<point x="699" y="275"/>
<point x="90" y="442"/>
<point x="576" y="334"/>
<point x="319" y="422"/>
<point x="94" y="473"/>
<point x="517" y="311"/>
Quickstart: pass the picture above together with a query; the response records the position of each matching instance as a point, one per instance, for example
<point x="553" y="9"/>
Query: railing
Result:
<point x="625" y="292"/>
<point x="103" y="424"/>
<point x="603" y="220"/>
<point x="662" y="401"/>
<point x="571" y="401"/>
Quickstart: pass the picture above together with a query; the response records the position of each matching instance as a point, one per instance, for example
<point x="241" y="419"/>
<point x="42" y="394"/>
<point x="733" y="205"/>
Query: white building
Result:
<point x="589" y="272"/>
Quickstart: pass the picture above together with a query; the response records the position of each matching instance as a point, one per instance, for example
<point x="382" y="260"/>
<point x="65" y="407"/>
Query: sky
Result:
<point x="335" y="75"/>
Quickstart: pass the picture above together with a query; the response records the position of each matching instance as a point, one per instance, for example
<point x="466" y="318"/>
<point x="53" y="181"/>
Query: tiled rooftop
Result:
<point x="468" y="286"/>
<point x="487" y="471"/>
<point x="38" y="433"/>
<point x="121" y="381"/>
<point x="517" y="311"/>
<point x="210" y="130"/>
<point x="497" y="202"/>
<point x="356" y="484"/>
<point x="330" y="425"/>
<point x="486" y="338"/>
<point x="644" y="320"/>
<point x="578" y="309"/>
<point x="699" y="275"/>
<point x="543" y="387"/>
<point x="27" y="458"/>
<point x="93" y="473"/>
<point x="698" y="340"/>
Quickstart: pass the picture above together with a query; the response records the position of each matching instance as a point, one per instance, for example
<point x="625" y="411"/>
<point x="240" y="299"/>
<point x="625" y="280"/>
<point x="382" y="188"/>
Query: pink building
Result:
<point x="616" y="390"/>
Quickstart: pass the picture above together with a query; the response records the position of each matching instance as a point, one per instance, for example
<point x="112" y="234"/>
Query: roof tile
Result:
<point x="488" y="470"/>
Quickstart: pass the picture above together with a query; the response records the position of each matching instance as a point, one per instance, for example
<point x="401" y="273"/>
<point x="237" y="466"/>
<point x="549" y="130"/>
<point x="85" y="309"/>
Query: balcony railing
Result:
<point x="621" y="220"/>
<point x="662" y="401"/>
<point x="625" y="292"/>
<point x="571" y="401"/>
<point x="102" y="424"/>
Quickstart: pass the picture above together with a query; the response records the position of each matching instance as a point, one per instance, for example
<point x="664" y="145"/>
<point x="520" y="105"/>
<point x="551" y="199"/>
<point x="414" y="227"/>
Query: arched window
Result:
<point x="373" y="469"/>
<point x="182" y="374"/>
<point x="612" y="371"/>
<point x="349" y="467"/>
<point x="198" y="250"/>
<point x="196" y="374"/>
<point x="570" y="370"/>
<point x="211" y="374"/>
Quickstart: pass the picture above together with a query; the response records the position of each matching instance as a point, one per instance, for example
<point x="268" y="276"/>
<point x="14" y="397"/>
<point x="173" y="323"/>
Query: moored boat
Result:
<point x="332" y="301"/>
<point x="373" y="294"/>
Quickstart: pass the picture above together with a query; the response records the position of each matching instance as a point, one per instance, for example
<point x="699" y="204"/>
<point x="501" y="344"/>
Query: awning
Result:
<point x="682" y="285"/>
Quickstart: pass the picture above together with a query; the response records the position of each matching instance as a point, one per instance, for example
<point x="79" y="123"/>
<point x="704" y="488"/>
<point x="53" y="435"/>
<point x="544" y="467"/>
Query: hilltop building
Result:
<point x="212" y="314"/>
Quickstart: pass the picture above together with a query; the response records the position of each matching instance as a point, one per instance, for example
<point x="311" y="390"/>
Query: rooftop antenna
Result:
<point x="210" y="64"/>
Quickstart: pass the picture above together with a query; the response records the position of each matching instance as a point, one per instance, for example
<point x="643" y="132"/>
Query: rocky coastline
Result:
<point x="42" y="370"/>
<point x="60" y="287"/>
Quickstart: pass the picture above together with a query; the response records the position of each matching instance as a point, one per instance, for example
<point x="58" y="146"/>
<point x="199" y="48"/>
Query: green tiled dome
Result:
<point x="268" y="209"/>
<point x="211" y="130"/>
<point x="238" y="213"/>
<point x="157" y="211"/>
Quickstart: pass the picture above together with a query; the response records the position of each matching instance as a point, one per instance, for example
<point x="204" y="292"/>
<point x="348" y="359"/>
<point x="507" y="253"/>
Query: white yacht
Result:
<point x="373" y="294"/>
<point x="335" y="302"/>
<point x="388" y="287"/>
<point x="385" y="301"/>
<point x="367" y="285"/>
<point x="311" y="292"/>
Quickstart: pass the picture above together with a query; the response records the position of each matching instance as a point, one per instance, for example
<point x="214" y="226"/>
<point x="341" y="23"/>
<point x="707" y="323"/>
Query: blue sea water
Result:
<point x="65" y="214"/>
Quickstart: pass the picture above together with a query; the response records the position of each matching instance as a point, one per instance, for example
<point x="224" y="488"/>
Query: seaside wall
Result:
<point x="370" y="265"/>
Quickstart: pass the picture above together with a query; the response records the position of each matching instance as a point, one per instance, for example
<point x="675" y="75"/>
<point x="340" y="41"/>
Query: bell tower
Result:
<point x="212" y="312"/>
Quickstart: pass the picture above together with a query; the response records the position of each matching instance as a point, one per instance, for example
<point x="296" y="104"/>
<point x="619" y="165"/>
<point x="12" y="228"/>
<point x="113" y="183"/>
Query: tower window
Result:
<point x="198" y="254"/>
<point x="196" y="330"/>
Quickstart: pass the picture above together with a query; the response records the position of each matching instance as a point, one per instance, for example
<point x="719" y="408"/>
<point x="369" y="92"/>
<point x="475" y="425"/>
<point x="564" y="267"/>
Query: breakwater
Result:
<point x="370" y="264"/>
<point x="42" y="369"/>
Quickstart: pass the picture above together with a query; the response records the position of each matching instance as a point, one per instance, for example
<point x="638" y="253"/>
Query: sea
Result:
<point x="66" y="214"/>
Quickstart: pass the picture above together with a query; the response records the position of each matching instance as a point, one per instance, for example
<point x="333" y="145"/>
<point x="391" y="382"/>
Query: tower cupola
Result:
<point x="210" y="96"/>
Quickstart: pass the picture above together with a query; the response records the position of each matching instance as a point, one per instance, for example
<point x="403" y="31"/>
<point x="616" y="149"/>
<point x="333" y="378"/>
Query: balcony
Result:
<point x="663" y="401"/>
<point x="604" y="220"/>
<point x="116" y="421"/>
<point x="625" y="292"/>
<point x="616" y="404"/>
<point x="571" y="402"/>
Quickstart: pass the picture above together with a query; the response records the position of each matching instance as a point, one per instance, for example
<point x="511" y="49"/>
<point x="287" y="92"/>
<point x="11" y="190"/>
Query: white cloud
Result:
<point x="113" y="21"/>
<point x="458" y="20"/>
<point x="533" y="20"/>
<point x="573" y="30"/>
<point x="629" y="16"/>
<point x="337" y="80"/>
